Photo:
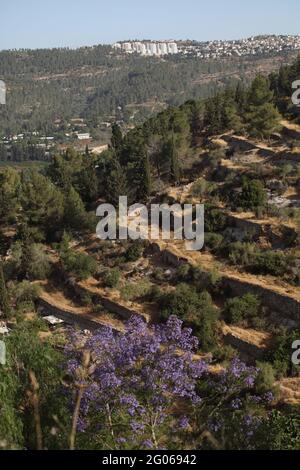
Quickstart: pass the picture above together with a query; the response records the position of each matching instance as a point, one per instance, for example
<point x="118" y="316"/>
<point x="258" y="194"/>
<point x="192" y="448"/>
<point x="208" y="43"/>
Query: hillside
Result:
<point x="48" y="89"/>
<point x="157" y="343"/>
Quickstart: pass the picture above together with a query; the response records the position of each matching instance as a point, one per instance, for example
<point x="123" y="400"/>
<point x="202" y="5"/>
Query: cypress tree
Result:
<point x="174" y="164"/>
<point x="4" y="302"/>
<point x="144" y="179"/>
<point x="116" y="183"/>
<point x="117" y="138"/>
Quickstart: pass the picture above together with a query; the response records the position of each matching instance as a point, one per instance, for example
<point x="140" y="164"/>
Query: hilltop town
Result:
<point x="258" y="45"/>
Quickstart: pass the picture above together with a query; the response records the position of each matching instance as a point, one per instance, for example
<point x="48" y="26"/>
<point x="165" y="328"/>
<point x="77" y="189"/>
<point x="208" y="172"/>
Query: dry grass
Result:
<point x="257" y="338"/>
<point x="290" y="390"/>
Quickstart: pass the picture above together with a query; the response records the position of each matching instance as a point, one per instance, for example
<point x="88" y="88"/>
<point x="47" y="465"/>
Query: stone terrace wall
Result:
<point x="245" y="225"/>
<point x="292" y="133"/>
<point x="287" y="307"/>
<point x="238" y="144"/>
<point x="112" y="306"/>
<point x="286" y="157"/>
<point x="45" y="308"/>
<point x="244" y="347"/>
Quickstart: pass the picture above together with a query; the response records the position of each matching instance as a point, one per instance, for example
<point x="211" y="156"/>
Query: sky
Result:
<point x="57" y="23"/>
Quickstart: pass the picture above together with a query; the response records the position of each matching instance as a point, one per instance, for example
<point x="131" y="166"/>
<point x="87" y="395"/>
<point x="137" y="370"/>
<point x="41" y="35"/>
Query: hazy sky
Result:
<point x="37" y="23"/>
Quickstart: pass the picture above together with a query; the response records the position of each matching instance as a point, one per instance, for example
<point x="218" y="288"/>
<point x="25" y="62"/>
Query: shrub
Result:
<point x="112" y="278"/>
<point x="183" y="273"/>
<point x="134" y="252"/>
<point x="280" y="431"/>
<point x="154" y="294"/>
<point x="266" y="377"/>
<point x="38" y="263"/>
<point x="180" y="302"/>
<point x="241" y="308"/>
<point x="243" y="254"/>
<point x="215" y="220"/>
<point x="133" y="290"/>
<point x="159" y="274"/>
<point x="24" y="291"/>
<point x="79" y="264"/>
<point x="213" y="240"/>
<point x="203" y="320"/>
<point x="197" y="310"/>
<point x="281" y="352"/>
<point x="253" y="195"/>
<point x="202" y="188"/>
<point x="272" y="262"/>
<point x="28" y="260"/>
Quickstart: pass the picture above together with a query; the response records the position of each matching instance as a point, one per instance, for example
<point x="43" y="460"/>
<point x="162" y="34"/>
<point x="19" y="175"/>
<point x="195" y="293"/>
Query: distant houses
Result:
<point x="83" y="136"/>
<point x="212" y="49"/>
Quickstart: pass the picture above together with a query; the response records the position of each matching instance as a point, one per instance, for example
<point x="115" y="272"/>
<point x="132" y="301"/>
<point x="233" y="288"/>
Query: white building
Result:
<point x="85" y="136"/>
<point x="148" y="48"/>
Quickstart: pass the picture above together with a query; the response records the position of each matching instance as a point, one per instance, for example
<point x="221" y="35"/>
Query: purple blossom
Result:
<point x="183" y="422"/>
<point x="268" y="397"/>
<point x="255" y="399"/>
<point x="140" y="373"/>
<point x="236" y="404"/>
<point x="136" y="426"/>
<point x="121" y="440"/>
<point x="148" y="444"/>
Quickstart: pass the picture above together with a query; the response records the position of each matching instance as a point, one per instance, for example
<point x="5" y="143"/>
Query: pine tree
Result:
<point x="27" y="241"/>
<point x="240" y="98"/>
<point x="4" y="302"/>
<point x="116" y="183"/>
<point x="117" y="138"/>
<point x="230" y="116"/>
<point x="262" y="117"/>
<point x="143" y="179"/>
<point x="75" y="216"/>
<point x="213" y="115"/>
<point x="174" y="163"/>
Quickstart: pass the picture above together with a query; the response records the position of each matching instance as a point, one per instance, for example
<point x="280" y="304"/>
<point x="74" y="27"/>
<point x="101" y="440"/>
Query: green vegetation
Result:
<point x="112" y="278"/>
<point x="78" y="264"/>
<point x="240" y="309"/>
<point x="196" y="310"/>
<point x="95" y="83"/>
<point x="253" y="195"/>
<point x="262" y="116"/>
<point x="47" y="227"/>
<point x="134" y="252"/>
<point x="280" y="354"/>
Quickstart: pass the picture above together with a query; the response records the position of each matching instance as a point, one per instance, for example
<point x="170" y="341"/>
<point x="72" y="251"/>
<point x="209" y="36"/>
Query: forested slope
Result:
<point x="96" y="84"/>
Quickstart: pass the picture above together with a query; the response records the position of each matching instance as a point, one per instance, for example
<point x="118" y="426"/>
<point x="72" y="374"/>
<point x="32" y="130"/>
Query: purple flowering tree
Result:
<point x="231" y="409"/>
<point x="136" y="386"/>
